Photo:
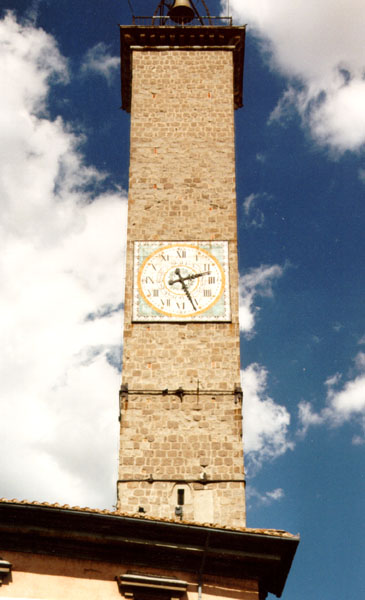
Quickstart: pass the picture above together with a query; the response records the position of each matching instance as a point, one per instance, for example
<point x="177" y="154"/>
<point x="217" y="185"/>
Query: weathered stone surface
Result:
<point x="182" y="188"/>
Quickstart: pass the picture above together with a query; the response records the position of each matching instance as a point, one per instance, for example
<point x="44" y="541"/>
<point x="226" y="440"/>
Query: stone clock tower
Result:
<point x="180" y="402"/>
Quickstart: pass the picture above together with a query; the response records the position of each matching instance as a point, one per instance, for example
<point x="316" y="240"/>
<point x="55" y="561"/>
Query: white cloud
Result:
<point x="265" y="423"/>
<point x="257" y="282"/>
<point x="333" y="380"/>
<point x="360" y="361"/>
<point x="266" y="498"/>
<point x="361" y="340"/>
<point x="98" y="60"/>
<point x="307" y="417"/>
<point x="318" y="46"/>
<point x="347" y="402"/>
<point x="358" y="440"/>
<point x="61" y="271"/>
<point x="254" y="216"/>
<point x="249" y="202"/>
<point x="343" y="404"/>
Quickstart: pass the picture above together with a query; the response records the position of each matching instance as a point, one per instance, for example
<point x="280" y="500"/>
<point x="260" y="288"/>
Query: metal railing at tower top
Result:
<point x="166" y="21"/>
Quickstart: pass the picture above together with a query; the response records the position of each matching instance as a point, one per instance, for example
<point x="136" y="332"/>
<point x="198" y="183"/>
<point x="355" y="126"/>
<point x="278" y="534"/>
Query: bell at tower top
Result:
<point x="178" y="25"/>
<point x="181" y="13"/>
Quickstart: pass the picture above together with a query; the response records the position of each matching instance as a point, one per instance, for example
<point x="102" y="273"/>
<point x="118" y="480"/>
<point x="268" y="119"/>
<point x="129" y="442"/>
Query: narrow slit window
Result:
<point x="180" y="497"/>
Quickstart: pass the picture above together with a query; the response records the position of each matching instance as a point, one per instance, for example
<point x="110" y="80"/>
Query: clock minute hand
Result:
<point x="188" y="294"/>
<point x="184" y="287"/>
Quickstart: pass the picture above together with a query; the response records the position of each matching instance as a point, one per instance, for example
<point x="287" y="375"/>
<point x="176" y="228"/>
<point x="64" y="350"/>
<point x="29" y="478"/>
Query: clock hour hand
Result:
<point x="188" y="277"/>
<point x="196" y="275"/>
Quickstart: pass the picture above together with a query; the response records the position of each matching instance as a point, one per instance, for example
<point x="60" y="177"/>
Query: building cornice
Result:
<point x="115" y="538"/>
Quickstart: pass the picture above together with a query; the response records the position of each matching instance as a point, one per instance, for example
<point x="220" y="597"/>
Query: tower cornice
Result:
<point x="160" y="38"/>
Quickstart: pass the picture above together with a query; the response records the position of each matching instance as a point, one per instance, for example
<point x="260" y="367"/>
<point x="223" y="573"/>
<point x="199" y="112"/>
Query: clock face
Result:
<point x="181" y="281"/>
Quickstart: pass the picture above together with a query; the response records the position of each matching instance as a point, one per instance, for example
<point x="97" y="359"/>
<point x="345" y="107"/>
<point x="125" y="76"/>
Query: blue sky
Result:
<point x="300" y="192"/>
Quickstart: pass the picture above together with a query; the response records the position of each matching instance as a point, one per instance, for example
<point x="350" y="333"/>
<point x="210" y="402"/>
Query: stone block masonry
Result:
<point x="182" y="188"/>
<point x="192" y="443"/>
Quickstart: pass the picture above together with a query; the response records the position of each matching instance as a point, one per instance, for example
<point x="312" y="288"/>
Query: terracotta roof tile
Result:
<point x="141" y="516"/>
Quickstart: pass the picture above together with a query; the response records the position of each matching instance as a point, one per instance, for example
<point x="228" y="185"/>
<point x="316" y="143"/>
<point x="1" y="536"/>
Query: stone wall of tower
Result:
<point x="182" y="188"/>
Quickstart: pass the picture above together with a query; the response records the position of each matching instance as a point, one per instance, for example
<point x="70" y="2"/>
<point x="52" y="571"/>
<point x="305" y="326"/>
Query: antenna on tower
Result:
<point x="130" y="6"/>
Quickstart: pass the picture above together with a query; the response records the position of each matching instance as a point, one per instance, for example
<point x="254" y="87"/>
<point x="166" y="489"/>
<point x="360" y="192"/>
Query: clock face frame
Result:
<point x="181" y="281"/>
